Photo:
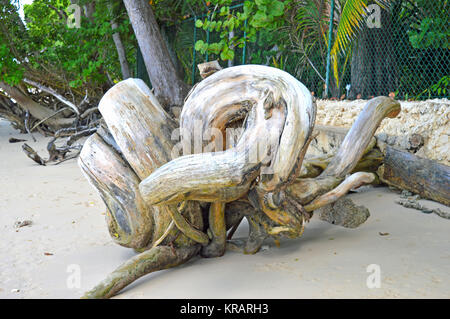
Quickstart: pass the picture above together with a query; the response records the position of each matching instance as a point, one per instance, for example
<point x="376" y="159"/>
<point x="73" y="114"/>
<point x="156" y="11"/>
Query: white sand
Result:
<point x="328" y="261"/>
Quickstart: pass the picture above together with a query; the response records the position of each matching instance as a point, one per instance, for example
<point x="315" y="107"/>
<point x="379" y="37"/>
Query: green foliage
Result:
<point x="422" y="32"/>
<point x="11" y="71"/>
<point x="235" y="26"/>
<point x="11" y="68"/>
<point x="48" y="50"/>
<point x="432" y="33"/>
<point x="441" y="88"/>
<point x="430" y="28"/>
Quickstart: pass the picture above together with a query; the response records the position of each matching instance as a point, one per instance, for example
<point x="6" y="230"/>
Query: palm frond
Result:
<point x="351" y="20"/>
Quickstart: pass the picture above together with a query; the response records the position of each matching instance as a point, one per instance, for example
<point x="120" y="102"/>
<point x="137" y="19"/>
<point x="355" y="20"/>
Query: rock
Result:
<point x="344" y="212"/>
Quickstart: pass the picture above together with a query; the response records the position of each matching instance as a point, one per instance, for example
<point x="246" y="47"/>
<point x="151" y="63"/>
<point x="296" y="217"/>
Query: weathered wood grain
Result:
<point x="279" y="115"/>
<point x="142" y="131"/>
<point x="129" y="219"/>
<point x="360" y="135"/>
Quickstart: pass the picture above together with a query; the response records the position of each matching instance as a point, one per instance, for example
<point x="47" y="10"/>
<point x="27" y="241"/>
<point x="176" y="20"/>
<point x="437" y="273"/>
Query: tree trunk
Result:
<point x="89" y="9"/>
<point x="384" y="58"/>
<point x="360" y="72"/>
<point x="124" y="66"/>
<point x="373" y="61"/>
<point x="169" y="88"/>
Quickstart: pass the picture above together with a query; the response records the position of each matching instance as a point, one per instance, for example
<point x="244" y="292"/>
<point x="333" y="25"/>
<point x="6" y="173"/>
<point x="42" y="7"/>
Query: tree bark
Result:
<point x="54" y="93"/>
<point x="360" y="66"/>
<point x="169" y="88"/>
<point x="419" y="175"/>
<point x="280" y="115"/>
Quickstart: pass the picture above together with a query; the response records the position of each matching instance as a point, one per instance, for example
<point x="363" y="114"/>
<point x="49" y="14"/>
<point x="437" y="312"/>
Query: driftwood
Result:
<point x="208" y="68"/>
<point x="16" y="140"/>
<point x="58" y="154"/>
<point x="31" y="153"/>
<point x="243" y="135"/>
<point x="419" y="175"/>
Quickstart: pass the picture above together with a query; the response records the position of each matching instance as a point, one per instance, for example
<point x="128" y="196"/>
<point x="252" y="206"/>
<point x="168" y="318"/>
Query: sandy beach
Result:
<point x="68" y="232"/>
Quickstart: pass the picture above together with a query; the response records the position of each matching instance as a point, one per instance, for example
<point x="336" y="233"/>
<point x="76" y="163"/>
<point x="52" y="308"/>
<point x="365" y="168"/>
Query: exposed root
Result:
<point x="157" y="258"/>
<point x="353" y="181"/>
<point x="186" y="228"/>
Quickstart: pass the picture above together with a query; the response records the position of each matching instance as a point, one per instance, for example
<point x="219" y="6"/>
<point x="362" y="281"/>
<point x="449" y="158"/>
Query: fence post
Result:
<point x="245" y="42"/>
<point x="330" y="35"/>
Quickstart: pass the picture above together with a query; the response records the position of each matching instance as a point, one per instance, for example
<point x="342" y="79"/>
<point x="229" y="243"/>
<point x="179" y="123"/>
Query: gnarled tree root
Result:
<point x="235" y="182"/>
<point x="353" y="181"/>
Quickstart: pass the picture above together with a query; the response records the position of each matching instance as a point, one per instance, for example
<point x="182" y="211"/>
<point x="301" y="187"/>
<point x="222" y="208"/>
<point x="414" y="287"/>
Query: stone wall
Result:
<point x="429" y="119"/>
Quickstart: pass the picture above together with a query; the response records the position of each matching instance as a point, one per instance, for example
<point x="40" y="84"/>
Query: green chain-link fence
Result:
<point x="407" y="55"/>
<point x="405" y="52"/>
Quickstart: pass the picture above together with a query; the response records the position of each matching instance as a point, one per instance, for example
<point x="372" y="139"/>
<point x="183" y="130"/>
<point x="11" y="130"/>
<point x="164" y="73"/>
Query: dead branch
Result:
<point x="31" y="153"/>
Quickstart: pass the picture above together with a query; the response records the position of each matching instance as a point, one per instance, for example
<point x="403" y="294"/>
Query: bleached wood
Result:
<point x="360" y="135"/>
<point x="142" y="131"/>
<point x="271" y="106"/>
<point x="357" y="142"/>
<point x="277" y="108"/>
<point x="353" y="181"/>
<point x="128" y="218"/>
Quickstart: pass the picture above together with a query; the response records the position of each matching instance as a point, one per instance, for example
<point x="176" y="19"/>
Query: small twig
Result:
<point x="80" y="134"/>
<point x="31" y="153"/>
<point x="85" y="99"/>
<point x="67" y="158"/>
<point x="88" y="112"/>
<point x="168" y="230"/>
<point x="26" y="122"/>
<point x="16" y="140"/>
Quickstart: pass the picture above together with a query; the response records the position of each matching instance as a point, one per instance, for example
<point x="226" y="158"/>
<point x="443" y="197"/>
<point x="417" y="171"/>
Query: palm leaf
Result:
<point x="352" y="17"/>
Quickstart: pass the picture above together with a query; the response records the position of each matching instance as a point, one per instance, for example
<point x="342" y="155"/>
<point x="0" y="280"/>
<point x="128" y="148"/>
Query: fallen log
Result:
<point x="137" y="142"/>
<point x="422" y="176"/>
